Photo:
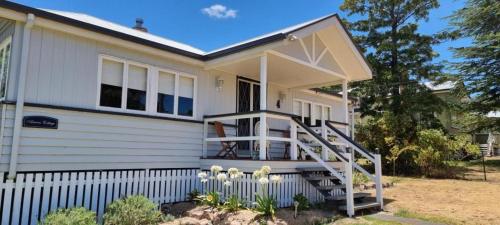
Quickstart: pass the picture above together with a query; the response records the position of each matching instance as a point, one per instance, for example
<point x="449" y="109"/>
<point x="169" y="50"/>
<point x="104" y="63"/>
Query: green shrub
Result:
<point x="302" y="201"/>
<point x="266" y="205"/>
<point x="73" y="216"/>
<point x="133" y="210"/>
<point x="211" y="199"/>
<point x="193" y="195"/>
<point x="233" y="204"/>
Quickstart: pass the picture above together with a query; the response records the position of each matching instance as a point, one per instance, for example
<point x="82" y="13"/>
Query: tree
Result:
<point x="401" y="59"/>
<point x="480" y="68"/>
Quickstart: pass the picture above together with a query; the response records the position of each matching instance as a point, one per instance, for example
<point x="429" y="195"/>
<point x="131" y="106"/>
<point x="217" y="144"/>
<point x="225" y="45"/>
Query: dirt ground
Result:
<point x="469" y="200"/>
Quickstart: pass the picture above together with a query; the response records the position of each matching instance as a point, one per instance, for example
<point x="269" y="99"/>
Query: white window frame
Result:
<point x="3" y="45"/>
<point x="312" y="111"/>
<point x="151" y="88"/>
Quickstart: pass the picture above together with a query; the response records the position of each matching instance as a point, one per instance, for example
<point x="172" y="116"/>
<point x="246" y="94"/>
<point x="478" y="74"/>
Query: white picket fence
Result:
<point x="31" y="196"/>
<point x="27" y="199"/>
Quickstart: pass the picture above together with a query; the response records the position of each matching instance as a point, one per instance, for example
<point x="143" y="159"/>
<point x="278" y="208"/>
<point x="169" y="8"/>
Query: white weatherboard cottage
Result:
<point x="92" y="111"/>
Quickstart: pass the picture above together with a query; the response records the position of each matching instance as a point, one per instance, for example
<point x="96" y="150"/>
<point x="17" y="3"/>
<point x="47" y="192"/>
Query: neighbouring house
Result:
<point x="451" y="117"/>
<point x="92" y="111"/>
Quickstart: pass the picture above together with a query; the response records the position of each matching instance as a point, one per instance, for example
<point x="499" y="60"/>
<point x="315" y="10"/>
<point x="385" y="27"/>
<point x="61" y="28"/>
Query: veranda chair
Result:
<point x="228" y="149"/>
<point x="256" y="145"/>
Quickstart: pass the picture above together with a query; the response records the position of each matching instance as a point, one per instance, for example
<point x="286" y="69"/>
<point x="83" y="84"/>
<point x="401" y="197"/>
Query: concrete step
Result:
<point x="315" y="178"/>
<point x="330" y="187"/>
<point x="358" y="206"/>
<point x="342" y="197"/>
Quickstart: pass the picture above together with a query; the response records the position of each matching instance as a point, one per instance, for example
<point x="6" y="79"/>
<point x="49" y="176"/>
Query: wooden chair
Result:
<point x="228" y="147"/>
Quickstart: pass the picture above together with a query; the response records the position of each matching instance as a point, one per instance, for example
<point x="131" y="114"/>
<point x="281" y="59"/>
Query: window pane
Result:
<point x="327" y="113"/>
<point x="317" y="114"/>
<point x="111" y="83"/>
<point x="136" y="99"/>
<point x="297" y="108"/>
<point x="186" y="93"/>
<point x="137" y="85"/>
<point x="112" y="73"/>
<point x="307" y="114"/>
<point x="111" y="96"/>
<point x="165" y="103"/>
<point x="166" y="91"/>
<point x="185" y="106"/>
<point x="4" y="66"/>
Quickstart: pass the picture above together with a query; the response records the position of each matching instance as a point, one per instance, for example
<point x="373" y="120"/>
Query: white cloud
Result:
<point x="219" y="11"/>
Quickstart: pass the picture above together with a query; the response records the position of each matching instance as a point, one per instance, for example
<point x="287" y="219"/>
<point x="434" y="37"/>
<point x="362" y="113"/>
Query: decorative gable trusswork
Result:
<point x="312" y="50"/>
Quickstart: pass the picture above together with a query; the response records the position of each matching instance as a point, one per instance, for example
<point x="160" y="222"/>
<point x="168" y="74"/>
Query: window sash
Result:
<point x="5" y="53"/>
<point x="311" y="112"/>
<point x="132" y="81"/>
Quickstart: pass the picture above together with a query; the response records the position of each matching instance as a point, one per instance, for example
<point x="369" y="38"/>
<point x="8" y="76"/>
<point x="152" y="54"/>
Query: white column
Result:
<point x="378" y="180"/>
<point x="263" y="106"/>
<point x="293" y="143"/>
<point x="349" y="193"/>
<point x="205" y="135"/>
<point x="345" y="105"/>
<point x="20" y="95"/>
<point x="324" y="149"/>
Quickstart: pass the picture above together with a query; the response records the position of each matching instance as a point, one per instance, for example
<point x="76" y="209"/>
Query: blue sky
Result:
<point x="201" y="24"/>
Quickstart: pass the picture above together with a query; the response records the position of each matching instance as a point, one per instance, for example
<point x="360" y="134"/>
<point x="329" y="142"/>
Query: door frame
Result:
<point x="252" y="82"/>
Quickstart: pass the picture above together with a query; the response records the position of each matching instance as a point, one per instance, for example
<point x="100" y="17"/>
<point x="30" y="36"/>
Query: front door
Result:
<point x="248" y="100"/>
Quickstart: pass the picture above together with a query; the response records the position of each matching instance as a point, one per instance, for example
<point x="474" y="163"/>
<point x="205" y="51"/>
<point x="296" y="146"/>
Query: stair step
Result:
<point x="342" y="197"/>
<point x="321" y="178"/>
<point x="364" y="205"/>
<point x="330" y="187"/>
<point x="314" y="169"/>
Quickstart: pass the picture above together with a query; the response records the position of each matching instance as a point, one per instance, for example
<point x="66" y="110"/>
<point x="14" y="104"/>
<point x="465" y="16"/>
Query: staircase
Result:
<point x="335" y="183"/>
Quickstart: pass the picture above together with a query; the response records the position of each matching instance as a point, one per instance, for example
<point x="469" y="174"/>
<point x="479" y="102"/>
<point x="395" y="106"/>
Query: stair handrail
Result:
<point x="375" y="158"/>
<point x="318" y="138"/>
<point x="351" y="142"/>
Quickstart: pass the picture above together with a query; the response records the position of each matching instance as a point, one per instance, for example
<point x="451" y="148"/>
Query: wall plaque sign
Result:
<point x="40" y="122"/>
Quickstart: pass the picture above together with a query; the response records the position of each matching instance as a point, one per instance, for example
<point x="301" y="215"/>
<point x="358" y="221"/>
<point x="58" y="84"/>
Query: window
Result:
<point x="126" y="86"/>
<point x="136" y="87"/>
<point x="186" y="92"/>
<point x="111" y="84"/>
<point x="311" y="113"/>
<point x="166" y="92"/>
<point x="5" y="49"/>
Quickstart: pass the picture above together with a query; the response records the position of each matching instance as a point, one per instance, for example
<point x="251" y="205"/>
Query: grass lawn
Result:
<point x="469" y="200"/>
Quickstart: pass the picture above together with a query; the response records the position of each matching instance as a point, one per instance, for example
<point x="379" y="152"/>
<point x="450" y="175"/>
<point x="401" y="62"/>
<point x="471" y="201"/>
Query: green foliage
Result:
<point x="211" y="199"/>
<point x="233" y="204"/>
<point x="303" y="202"/>
<point x="133" y="210"/>
<point x="266" y="205"/>
<point x="359" y="178"/>
<point x="479" y="67"/>
<point x="73" y="216"/>
<point x="168" y="218"/>
<point x="193" y="195"/>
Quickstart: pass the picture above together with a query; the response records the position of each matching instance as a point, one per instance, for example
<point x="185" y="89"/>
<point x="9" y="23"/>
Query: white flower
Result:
<point x="215" y="169"/>
<point x="221" y="177"/>
<point x="275" y="179"/>
<point x="232" y="171"/>
<point x="257" y="173"/>
<point x="265" y="170"/>
<point x="202" y="175"/>
<point x="241" y="174"/>
<point x="211" y="178"/>
<point x="227" y="183"/>
<point x="263" y="181"/>
<point x="204" y="180"/>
